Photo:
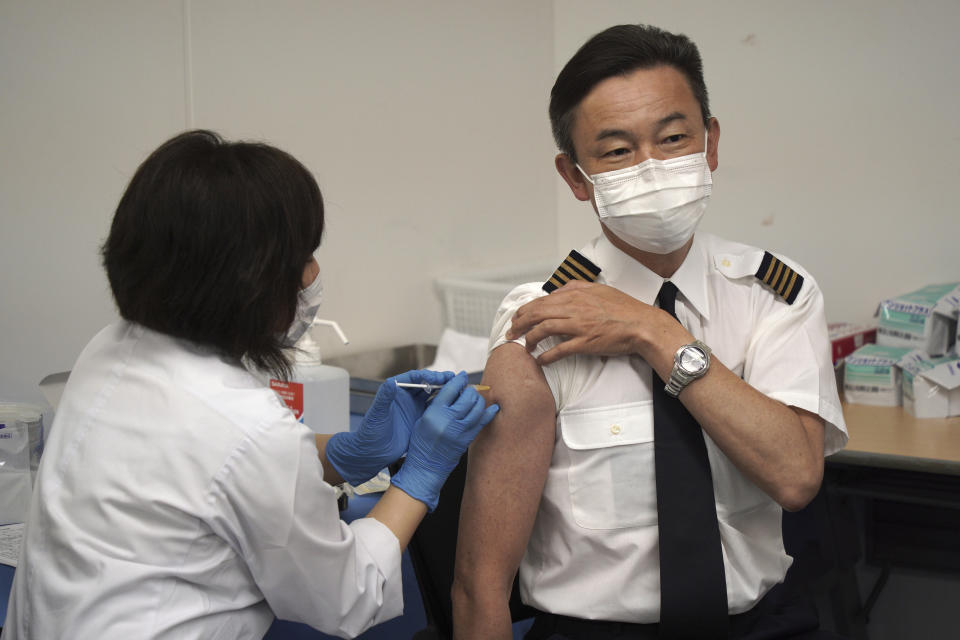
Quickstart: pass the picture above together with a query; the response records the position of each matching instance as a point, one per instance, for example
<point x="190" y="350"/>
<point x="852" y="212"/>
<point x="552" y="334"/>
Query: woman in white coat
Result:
<point x="178" y="497"/>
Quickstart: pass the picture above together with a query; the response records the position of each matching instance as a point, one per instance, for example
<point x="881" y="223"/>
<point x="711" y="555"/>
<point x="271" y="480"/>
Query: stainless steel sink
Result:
<point x="380" y="364"/>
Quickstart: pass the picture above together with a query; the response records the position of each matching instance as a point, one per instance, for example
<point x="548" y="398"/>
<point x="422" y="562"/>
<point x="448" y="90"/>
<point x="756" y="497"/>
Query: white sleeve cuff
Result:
<point x="384" y="549"/>
<point x="835" y="430"/>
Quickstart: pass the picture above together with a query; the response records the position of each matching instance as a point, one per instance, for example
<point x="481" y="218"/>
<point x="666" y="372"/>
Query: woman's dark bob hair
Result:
<point x="209" y="243"/>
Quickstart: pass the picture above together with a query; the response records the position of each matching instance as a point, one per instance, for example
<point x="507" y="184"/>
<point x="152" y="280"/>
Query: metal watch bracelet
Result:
<point x="679" y="378"/>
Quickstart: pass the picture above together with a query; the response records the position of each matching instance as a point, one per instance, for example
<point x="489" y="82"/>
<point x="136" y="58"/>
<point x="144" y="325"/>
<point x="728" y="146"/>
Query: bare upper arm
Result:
<point x="507" y="469"/>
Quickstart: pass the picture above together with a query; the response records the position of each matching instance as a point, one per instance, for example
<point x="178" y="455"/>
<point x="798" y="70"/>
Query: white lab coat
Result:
<point x="178" y="498"/>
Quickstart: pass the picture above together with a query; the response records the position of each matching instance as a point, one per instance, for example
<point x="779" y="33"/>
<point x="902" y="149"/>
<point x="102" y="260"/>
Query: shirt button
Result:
<point x="615" y="429"/>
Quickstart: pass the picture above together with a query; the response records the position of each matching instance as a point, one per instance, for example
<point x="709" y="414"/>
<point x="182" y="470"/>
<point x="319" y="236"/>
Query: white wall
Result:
<point x="424" y="123"/>
<point x="86" y="90"/>
<point x="839" y="133"/>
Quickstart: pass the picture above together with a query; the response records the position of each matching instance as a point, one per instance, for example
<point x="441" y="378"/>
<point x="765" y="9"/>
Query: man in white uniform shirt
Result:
<point x="563" y="483"/>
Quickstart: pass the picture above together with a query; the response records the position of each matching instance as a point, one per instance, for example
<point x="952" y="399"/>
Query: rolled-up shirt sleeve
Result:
<point x="503" y="318"/>
<point x="789" y="359"/>
<point x="563" y="376"/>
<point x="271" y="503"/>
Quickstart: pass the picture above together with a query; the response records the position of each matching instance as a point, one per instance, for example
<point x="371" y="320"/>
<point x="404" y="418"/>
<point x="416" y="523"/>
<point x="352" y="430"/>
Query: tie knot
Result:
<point x="668" y="298"/>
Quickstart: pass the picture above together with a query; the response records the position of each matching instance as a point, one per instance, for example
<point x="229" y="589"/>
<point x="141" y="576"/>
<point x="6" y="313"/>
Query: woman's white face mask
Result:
<point x="308" y="303"/>
<point x="654" y="206"/>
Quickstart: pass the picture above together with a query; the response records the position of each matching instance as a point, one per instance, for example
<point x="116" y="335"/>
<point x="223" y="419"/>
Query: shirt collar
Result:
<point x="623" y="272"/>
<point x="691" y="277"/>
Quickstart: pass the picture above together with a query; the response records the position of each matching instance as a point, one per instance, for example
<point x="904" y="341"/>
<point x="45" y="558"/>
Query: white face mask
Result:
<point x="654" y="206"/>
<point x="308" y="303"/>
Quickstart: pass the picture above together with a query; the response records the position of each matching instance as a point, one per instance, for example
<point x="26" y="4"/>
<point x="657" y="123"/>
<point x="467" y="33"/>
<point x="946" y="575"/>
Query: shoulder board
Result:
<point x="574" y="267"/>
<point x="783" y="280"/>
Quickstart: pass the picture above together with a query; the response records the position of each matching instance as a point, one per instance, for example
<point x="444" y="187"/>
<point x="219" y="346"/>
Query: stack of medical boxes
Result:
<point x="847" y="337"/>
<point x="915" y="361"/>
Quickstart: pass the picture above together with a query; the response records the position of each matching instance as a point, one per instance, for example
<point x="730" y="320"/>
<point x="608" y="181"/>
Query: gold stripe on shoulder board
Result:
<point x="574" y="267"/>
<point x="784" y="281"/>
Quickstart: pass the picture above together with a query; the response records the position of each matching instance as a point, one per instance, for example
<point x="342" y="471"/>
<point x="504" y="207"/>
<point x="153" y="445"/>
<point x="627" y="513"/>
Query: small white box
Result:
<point x="949" y="309"/>
<point x="923" y="319"/>
<point x="846" y="337"/>
<point x="871" y="375"/>
<point x="931" y="386"/>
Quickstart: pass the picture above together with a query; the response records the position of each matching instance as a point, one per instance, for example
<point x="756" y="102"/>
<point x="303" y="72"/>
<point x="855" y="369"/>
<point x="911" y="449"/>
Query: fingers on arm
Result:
<point x="451" y="391"/>
<point x="537" y="311"/>
<point x="549" y="328"/>
<point x="489" y="414"/>
<point x="465" y="403"/>
<point x="526" y="317"/>
<point x="561" y="350"/>
<point x="477" y="417"/>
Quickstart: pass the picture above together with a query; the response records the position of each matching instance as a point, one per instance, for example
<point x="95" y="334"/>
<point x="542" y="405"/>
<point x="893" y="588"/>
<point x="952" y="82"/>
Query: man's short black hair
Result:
<point x="210" y="241"/>
<point x="619" y="51"/>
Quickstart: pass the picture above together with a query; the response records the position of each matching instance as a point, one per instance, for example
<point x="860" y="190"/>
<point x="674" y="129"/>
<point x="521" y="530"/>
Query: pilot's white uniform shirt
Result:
<point x="179" y="498"/>
<point x="593" y="550"/>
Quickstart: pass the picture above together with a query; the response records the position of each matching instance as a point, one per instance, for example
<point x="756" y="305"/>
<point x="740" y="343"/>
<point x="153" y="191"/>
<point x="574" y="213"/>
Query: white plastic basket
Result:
<point x="470" y="300"/>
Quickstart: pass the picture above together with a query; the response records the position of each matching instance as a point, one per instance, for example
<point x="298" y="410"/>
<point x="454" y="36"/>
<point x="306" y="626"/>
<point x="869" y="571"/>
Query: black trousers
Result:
<point x="782" y="613"/>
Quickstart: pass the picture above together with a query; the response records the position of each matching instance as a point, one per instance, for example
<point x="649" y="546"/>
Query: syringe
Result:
<point x="430" y="388"/>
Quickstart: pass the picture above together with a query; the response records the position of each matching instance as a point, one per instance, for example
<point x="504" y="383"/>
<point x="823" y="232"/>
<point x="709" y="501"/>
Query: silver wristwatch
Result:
<point x="689" y="363"/>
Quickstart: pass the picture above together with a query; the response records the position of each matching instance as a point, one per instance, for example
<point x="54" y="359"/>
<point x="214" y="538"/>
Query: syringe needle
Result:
<point x="434" y="387"/>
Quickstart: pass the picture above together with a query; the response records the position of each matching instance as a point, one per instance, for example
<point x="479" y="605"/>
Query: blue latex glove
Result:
<point x="439" y="438"/>
<point x="385" y="429"/>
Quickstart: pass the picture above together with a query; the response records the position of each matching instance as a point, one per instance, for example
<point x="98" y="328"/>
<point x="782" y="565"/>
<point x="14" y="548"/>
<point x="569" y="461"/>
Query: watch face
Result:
<point x="693" y="360"/>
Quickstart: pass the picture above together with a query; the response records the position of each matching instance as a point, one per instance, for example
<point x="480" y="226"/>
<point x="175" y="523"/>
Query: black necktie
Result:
<point x="693" y="592"/>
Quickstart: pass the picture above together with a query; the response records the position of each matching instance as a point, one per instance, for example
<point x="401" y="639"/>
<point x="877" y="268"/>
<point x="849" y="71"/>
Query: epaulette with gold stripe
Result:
<point x="574" y="267"/>
<point x="784" y="281"/>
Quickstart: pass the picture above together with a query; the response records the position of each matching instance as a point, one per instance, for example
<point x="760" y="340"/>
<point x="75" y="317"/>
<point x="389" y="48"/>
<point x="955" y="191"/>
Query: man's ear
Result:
<point x="578" y="184"/>
<point x="713" y="140"/>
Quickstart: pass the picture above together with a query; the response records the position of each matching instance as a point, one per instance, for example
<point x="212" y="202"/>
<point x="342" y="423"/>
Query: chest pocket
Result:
<point x="611" y="473"/>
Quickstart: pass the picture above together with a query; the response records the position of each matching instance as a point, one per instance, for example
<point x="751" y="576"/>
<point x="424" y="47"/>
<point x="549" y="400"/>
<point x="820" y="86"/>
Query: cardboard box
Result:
<point x="846" y="337"/>
<point x="949" y="308"/>
<point x="910" y="320"/>
<point x="871" y="375"/>
<point x="931" y="386"/>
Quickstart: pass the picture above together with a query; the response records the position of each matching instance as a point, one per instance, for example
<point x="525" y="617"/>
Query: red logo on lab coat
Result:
<point x="292" y="395"/>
